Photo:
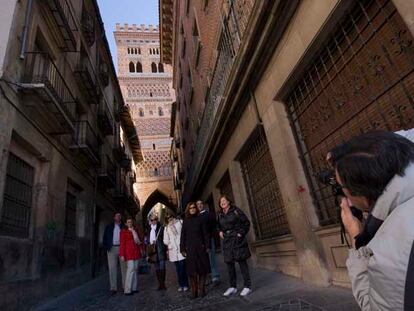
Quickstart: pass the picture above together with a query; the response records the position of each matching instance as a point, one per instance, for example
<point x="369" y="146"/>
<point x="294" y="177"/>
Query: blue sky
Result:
<point x="126" y="11"/>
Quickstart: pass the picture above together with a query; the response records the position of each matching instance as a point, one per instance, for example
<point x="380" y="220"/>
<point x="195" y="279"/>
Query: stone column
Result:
<point x="295" y="192"/>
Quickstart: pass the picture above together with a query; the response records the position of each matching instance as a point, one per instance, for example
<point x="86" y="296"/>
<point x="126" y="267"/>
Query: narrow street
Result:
<point x="271" y="291"/>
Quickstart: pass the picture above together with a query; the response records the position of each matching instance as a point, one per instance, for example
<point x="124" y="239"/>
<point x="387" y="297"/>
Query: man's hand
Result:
<point x="352" y="225"/>
<point x="122" y="258"/>
<point x="184" y="254"/>
<point x="221" y="235"/>
<point x="239" y="235"/>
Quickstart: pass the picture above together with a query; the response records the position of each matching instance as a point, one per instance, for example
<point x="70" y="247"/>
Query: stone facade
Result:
<point x="146" y="84"/>
<point x="275" y="85"/>
<point x="68" y="148"/>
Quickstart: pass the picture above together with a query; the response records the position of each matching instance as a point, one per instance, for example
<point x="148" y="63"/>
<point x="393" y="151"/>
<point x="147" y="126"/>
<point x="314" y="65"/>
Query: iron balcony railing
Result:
<point x="43" y="76"/>
<point x="105" y="118"/>
<point x="88" y="26"/>
<point x="121" y="190"/>
<point x="86" y="140"/>
<point x="107" y="170"/>
<point x="232" y="32"/>
<point x="63" y="17"/>
<point x="86" y="77"/>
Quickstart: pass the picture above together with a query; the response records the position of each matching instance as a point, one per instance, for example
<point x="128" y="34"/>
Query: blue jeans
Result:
<point x="181" y="273"/>
<point x="215" y="275"/>
<point x="160" y="265"/>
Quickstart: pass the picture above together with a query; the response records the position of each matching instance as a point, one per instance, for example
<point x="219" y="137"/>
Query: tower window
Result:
<point x="160" y="67"/>
<point x="139" y="67"/>
<point x="131" y="67"/>
<point x="153" y="67"/>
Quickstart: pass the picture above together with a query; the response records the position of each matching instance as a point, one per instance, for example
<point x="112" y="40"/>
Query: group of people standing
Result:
<point x="124" y="244"/>
<point x="189" y="243"/>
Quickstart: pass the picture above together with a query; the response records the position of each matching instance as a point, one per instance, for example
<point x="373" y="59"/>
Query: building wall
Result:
<point x="51" y="257"/>
<point x="146" y="93"/>
<point x="312" y="251"/>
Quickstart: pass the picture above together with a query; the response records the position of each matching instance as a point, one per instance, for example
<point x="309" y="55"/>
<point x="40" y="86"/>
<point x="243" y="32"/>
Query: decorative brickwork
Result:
<point x="146" y="85"/>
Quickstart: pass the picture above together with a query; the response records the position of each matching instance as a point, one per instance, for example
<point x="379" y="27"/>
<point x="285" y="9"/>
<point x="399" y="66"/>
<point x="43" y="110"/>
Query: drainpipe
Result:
<point x="26" y="28"/>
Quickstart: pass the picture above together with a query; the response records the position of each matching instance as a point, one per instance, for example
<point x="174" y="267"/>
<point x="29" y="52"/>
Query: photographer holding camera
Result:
<point x="376" y="173"/>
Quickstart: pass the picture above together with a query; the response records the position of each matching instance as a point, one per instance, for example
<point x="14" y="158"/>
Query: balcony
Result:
<point x="120" y="193"/>
<point x="107" y="172"/>
<point x="233" y="29"/>
<point x="86" y="78"/>
<point x="119" y="147"/>
<point x="86" y="142"/>
<point x="126" y="163"/>
<point x="105" y="119"/>
<point x="88" y="27"/>
<point x="57" y="109"/>
<point x="61" y="13"/>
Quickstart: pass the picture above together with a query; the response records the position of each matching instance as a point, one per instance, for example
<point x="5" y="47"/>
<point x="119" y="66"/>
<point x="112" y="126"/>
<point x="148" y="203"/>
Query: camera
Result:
<point x="327" y="177"/>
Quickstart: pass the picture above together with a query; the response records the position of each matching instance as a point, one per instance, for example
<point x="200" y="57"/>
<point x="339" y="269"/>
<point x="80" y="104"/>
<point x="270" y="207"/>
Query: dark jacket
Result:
<point x="195" y="241"/>
<point x="108" y="236"/>
<point x="235" y="222"/>
<point x="210" y="221"/>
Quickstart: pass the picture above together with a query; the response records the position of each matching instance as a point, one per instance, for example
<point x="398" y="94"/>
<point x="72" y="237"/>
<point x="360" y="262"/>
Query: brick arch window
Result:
<point x="153" y="67"/>
<point x="139" y="67"/>
<point x="139" y="50"/>
<point x="141" y="112"/>
<point x="160" y="67"/>
<point x="129" y="51"/>
<point x="160" y="111"/>
<point x="150" y="51"/>
<point x="131" y="67"/>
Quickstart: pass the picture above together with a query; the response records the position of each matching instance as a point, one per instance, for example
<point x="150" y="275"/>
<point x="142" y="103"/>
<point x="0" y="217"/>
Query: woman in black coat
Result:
<point x="195" y="245"/>
<point x="233" y="226"/>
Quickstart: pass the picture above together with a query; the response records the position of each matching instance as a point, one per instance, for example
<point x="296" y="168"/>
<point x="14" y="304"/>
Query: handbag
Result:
<point x="143" y="266"/>
<point x="152" y="250"/>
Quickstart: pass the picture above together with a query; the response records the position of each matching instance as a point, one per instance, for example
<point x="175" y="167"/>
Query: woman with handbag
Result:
<point x="130" y="252"/>
<point x="195" y="246"/>
<point x="233" y="226"/>
<point x="172" y="237"/>
<point x="156" y="250"/>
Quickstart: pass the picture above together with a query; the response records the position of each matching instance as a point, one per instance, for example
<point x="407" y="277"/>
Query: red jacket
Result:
<point x="128" y="248"/>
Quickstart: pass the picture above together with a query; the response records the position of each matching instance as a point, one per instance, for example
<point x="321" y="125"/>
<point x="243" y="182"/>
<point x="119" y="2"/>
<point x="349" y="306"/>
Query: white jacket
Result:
<point x="172" y="240"/>
<point x="382" y="273"/>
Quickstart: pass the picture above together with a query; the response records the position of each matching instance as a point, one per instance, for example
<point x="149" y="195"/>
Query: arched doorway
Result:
<point x="159" y="200"/>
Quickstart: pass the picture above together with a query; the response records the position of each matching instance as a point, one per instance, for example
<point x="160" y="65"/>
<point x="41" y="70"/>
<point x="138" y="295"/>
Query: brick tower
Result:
<point x="146" y="85"/>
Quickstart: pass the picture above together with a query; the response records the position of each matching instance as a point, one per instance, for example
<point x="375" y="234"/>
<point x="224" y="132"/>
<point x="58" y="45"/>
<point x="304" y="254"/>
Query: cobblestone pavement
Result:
<point x="271" y="291"/>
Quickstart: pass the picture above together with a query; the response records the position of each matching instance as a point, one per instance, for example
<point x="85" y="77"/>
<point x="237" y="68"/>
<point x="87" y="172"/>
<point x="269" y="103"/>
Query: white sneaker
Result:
<point x="230" y="291"/>
<point x="185" y="289"/>
<point x="245" y="291"/>
<point x="180" y="289"/>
